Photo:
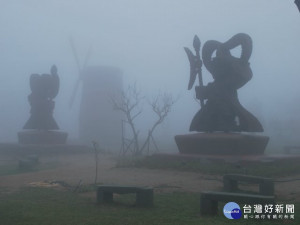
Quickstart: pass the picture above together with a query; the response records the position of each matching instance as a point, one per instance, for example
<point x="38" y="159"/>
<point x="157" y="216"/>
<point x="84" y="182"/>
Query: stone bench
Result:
<point x="266" y="185"/>
<point x="209" y="200"/>
<point x="144" y="195"/>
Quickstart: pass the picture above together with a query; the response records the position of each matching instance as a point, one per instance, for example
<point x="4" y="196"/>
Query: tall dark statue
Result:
<point x="220" y="106"/>
<point x="44" y="89"/>
<point x="222" y="119"/>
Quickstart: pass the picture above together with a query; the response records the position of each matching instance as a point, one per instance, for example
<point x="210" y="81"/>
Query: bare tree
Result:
<point x="96" y="151"/>
<point x="129" y="104"/>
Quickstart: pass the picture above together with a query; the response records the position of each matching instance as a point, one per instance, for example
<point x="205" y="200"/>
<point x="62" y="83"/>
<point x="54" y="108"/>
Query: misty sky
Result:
<point x="145" y="39"/>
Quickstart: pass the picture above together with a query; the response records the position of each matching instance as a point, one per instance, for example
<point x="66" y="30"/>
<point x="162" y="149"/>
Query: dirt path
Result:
<point x="82" y="167"/>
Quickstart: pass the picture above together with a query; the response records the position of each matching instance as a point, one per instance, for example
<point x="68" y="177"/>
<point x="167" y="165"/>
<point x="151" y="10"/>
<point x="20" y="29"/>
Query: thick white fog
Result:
<point x="145" y="39"/>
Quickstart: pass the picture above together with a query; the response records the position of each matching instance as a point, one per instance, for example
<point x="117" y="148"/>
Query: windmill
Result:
<point x="97" y="119"/>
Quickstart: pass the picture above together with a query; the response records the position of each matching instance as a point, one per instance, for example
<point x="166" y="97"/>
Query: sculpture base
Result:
<point x="221" y="144"/>
<point x="49" y="137"/>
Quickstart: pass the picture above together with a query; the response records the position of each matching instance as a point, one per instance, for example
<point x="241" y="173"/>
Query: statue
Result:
<point x="44" y="89"/>
<point x="41" y="127"/>
<point x="222" y="119"/>
<point x="222" y="110"/>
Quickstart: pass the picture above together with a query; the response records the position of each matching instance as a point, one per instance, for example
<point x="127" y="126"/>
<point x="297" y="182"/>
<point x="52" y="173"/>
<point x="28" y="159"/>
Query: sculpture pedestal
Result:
<point x="48" y="137"/>
<point x="221" y="144"/>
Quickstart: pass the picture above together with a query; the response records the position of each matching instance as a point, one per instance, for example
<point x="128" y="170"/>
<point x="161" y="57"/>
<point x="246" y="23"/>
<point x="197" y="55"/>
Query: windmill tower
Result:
<point x="98" y="121"/>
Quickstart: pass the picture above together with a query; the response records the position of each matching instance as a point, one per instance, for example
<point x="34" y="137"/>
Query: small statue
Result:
<point x="220" y="106"/>
<point x="44" y="89"/>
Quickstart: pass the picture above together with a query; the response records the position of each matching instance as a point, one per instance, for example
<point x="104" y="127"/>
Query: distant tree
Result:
<point x="129" y="104"/>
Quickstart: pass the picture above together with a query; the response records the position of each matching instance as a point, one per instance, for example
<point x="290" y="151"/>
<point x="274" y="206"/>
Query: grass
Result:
<point x="12" y="168"/>
<point x="9" y="169"/>
<point x="43" y="206"/>
<point x="269" y="169"/>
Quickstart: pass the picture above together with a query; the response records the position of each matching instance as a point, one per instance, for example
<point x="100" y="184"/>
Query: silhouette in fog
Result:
<point x="297" y="2"/>
<point x="222" y="110"/>
<point x="44" y="89"/>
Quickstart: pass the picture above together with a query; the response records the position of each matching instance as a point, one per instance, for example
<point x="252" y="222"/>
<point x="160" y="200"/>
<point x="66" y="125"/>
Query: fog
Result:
<point x="145" y="39"/>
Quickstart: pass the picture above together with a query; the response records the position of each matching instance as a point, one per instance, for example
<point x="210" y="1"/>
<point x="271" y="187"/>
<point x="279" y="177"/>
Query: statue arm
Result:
<point x="54" y="82"/>
<point x="204" y="92"/>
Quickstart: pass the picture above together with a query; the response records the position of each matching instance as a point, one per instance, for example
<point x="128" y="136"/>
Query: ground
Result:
<point x="79" y="168"/>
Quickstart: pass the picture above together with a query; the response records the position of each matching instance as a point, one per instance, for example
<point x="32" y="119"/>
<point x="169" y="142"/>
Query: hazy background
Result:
<point x="146" y="39"/>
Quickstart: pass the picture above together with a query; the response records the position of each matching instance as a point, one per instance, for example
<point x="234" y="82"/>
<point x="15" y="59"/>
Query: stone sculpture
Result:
<point x="44" y="89"/>
<point x="222" y="110"/>
<point x="222" y="119"/>
<point x="41" y="127"/>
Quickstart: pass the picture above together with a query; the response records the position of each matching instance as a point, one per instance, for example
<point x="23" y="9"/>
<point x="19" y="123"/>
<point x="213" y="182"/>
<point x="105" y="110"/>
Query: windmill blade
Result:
<point x="75" y="89"/>
<point x="87" y="57"/>
<point x="75" y="55"/>
<point x="80" y="69"/>
<point x="79" y="72"/>
<point x="74" y="93"/>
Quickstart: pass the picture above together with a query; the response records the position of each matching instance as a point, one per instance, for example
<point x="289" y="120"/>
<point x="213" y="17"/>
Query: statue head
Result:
<point x="45" y="85"/>
<point x="224" y="66"/>
<point x="44" y="89"/>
